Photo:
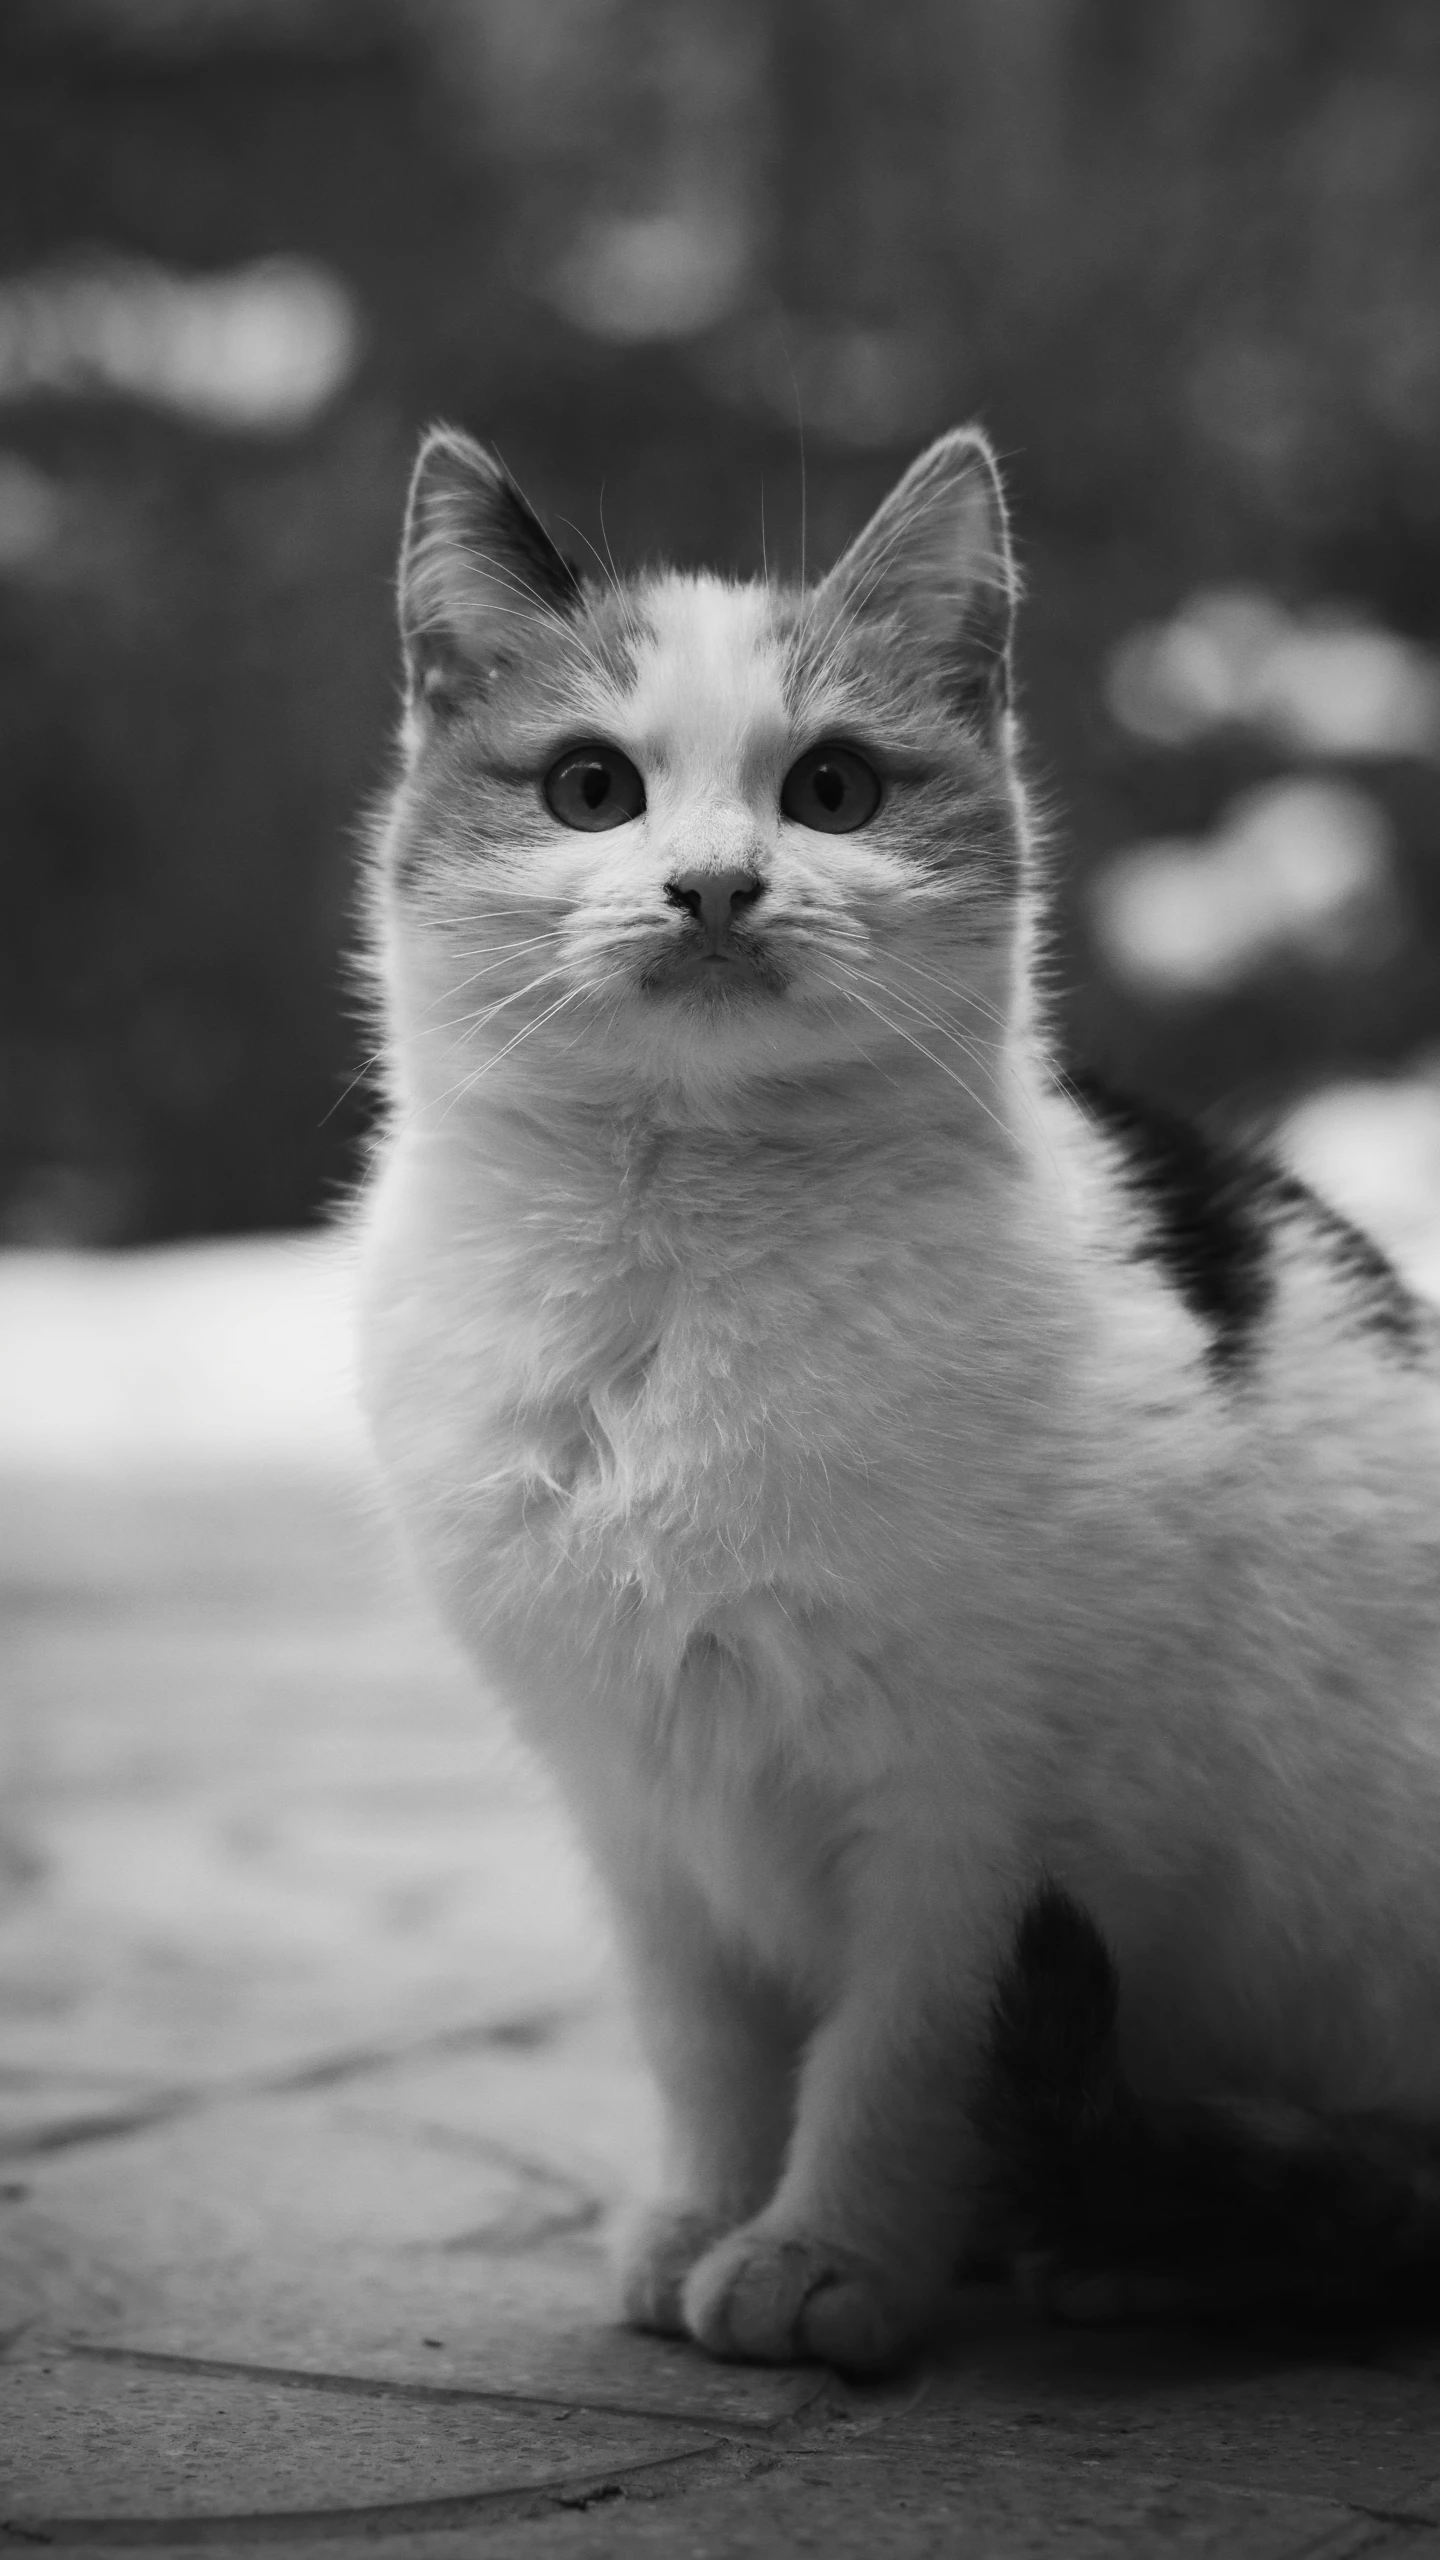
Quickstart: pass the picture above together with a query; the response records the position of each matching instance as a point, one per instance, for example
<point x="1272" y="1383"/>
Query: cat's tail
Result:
<point x="1118" y="2208"/>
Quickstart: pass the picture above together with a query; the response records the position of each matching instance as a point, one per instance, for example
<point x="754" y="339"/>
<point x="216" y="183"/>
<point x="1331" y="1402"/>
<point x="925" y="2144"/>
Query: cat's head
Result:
<point x="689" y="832"/>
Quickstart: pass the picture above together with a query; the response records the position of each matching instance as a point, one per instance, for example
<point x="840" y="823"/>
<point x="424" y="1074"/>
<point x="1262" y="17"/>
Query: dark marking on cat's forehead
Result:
<point x="614" y="627"/>
<point x="556" y="672"/>
<point x="1213" y="1213"/>
<point x="547" y="667"/>
<point x="867" y="667"/>
<point x="602" y="637"/>
<point x="874" y="661"/>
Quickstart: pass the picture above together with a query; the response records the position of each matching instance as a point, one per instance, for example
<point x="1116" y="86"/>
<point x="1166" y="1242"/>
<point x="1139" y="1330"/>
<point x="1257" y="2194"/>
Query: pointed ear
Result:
<point x="936" y="559"/>
<point x="476" y="566"/>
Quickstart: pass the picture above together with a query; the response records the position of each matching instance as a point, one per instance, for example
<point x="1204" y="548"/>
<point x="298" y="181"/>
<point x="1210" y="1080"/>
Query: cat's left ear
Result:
<point x="936" y="560"/>
<point x="478" y="571"/>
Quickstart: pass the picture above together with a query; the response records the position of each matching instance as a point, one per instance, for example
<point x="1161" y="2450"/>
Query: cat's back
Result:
<point x="1295" y="1316"/>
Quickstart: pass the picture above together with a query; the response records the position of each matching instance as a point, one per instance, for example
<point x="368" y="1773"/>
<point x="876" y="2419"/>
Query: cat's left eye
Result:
<point x="832" y="789"/>
<point x="594" y="787"/>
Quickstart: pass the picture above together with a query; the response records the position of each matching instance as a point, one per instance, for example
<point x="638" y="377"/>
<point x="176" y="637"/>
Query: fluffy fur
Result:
<point x="875" y="1476"/>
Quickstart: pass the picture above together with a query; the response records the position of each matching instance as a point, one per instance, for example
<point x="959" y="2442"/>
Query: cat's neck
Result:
<point x="828" y="1126"/>
<point x="591" y="1180"/>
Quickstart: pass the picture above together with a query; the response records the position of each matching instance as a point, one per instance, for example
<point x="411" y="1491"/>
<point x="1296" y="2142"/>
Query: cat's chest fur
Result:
<point x="672" y="1419"/>
<point x="703" y="1413"/>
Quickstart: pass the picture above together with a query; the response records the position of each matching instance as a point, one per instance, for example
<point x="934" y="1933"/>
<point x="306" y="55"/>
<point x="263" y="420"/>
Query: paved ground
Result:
<point x="315" y="2091"/>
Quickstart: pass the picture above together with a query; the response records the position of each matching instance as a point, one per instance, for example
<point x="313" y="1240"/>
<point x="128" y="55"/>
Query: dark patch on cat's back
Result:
<point x="1391" y="1309"/>
<point x="1212" y="1212"/>
<point x="1204" y="1207"/>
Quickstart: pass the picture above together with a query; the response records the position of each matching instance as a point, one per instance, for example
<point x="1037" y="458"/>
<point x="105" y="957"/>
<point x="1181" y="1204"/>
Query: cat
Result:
<point x="879" y="1476"/>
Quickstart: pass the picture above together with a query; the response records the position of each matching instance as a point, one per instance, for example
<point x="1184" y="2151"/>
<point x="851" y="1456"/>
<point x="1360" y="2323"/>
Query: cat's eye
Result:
<point x="593" y="787"/>
<point x="831" y="788"/>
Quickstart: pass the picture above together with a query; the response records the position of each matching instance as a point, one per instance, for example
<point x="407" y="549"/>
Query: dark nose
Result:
<point x="714" y="898"/>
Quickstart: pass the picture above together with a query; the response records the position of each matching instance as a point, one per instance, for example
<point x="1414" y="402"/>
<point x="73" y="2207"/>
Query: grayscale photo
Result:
<point x="720" y="1278"/>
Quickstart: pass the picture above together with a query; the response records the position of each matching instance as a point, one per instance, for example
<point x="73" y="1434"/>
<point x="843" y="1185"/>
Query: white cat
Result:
<point x="876" y="1479"/>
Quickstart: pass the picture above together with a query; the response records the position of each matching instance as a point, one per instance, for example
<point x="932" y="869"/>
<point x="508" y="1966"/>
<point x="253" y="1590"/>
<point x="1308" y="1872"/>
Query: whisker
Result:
<point x="900" y="1033"/>
<point x="525" y="1032"/>
<point x="961" y="995"/>
<point x="477" y="1020"/>
<point x="984" y="1058"/>
<point x="896" y="996"/>
<point x="362" y="1073"/>
<point x="935" y="1022"/>
<point x="493" y="915"/>
<point x="487" y="1013"/>
<point x="532" y="942"/>
<point x="635" y="628"/>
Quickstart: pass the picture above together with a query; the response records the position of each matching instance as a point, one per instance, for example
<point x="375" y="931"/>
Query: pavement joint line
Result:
<point x="575" y="2490"/>
<point x="116" y="2124"/>
<point x="382" y="2387"/>
<point x="1336" y="2505"/>
<point x="472" y="2143"/>
<point x="407" y="2515"/>
<point x="491" y="2240"/>
<point x="518" y="2032"/>
<point x="1393" y="2515"/>
<point x="34" y="2075"/>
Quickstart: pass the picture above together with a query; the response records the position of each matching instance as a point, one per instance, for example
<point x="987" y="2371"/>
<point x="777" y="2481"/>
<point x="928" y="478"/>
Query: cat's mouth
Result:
<point x="717" y="977"/>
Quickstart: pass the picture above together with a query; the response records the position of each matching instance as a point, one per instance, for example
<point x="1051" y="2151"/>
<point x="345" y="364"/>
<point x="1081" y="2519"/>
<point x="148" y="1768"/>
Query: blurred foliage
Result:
<point x="1182" y="256"/>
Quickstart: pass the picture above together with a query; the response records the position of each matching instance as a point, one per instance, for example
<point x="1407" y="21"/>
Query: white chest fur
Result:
<point x="702" y="1404"/>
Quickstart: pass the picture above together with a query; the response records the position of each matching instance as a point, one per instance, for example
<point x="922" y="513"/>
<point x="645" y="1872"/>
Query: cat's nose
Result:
<point x="714" y="898"/>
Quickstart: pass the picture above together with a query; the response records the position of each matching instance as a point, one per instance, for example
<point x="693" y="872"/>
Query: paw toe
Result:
<point x="656" y="2255"/>
<point x="744" y="2299"/>
<point x="788" y="2298"/>
<point x="849" y="2322"/>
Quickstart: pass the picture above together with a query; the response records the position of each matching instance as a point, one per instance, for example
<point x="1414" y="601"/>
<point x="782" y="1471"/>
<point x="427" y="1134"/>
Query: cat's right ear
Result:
<point x="935" y="564"/>
<point x="477" y="571"/>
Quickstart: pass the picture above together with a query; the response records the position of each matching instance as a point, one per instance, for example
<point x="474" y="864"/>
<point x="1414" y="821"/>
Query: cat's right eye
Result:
<point x="594" y="787"/>
<point x="832" y="789"/>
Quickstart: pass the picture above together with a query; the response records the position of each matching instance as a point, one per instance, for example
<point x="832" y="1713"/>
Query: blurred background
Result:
<point x="1181" y="256"/>
<point x="261" y="1835"/>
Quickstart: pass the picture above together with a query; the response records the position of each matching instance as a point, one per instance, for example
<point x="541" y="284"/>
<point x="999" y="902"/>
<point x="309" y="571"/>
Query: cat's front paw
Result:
<point x="655" y="2252"/>
<point x="775" y="2295"/>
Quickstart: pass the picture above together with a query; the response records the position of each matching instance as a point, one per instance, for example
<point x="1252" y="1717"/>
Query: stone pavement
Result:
<point x="316" y="2092"/>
